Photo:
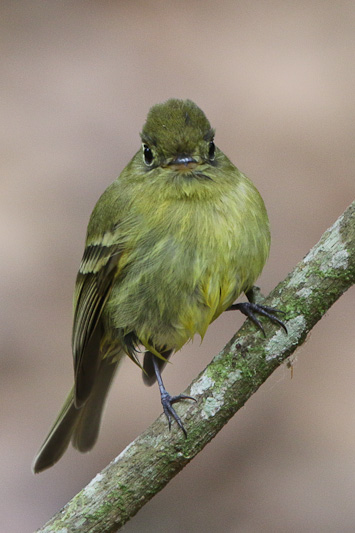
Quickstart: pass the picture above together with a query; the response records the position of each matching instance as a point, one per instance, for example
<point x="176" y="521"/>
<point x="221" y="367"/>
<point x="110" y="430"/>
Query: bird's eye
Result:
<point x="211" y="150"/>
<point x="147" y="155"/>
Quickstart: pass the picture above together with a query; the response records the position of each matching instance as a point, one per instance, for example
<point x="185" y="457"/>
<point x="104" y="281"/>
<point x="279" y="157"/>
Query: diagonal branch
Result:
<point x="156" y="456"/>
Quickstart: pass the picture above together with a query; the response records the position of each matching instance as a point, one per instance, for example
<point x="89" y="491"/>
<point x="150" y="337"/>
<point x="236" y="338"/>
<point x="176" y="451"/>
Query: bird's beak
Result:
<point x="183" y="162"/>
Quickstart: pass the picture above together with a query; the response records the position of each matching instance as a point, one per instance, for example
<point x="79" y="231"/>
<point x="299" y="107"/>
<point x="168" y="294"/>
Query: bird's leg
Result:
<point x="167" y="400"/>
<point x="251" y="308"/>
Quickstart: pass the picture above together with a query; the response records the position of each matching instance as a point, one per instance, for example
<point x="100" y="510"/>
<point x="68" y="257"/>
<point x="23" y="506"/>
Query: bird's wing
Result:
<point x="98" y="269"/>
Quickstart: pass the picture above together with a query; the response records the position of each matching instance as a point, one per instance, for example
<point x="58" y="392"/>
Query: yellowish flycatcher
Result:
<point x="170" y="245"/>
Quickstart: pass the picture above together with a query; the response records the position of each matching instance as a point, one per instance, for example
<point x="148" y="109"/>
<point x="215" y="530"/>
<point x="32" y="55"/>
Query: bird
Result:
<point x="170" y="245"/>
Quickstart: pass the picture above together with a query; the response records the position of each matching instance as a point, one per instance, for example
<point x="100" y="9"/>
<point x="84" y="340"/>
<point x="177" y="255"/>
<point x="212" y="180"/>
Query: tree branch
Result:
<point x="156" y="456"/>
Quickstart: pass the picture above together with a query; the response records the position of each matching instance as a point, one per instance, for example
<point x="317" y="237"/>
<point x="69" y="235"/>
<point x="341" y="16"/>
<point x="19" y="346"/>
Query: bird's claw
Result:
<point x="167" y="403"/>
<point x="249" y="309"/>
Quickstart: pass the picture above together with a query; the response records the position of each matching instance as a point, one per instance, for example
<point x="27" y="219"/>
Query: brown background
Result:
<point x="276" y="80"/>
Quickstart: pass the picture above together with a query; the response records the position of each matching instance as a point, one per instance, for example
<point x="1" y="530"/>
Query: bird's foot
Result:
<point x="249" y="309"/>
<point x="167" y="403"/>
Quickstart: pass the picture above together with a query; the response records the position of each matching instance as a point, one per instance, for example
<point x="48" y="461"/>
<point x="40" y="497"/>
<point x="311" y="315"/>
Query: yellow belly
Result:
<point x="185" y="270"/>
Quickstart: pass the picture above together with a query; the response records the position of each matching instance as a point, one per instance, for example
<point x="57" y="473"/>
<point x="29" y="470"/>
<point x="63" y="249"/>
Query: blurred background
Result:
<point x="276" y="80"/>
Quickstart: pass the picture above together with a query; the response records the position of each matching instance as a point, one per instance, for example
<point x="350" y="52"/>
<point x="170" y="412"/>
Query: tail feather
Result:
<point x="59" y="436"/>
<point x="79" y="425"/>
<point x="87" y="428"/>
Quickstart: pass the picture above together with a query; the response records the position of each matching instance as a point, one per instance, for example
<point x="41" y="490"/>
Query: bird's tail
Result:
<point x="80" y="426"/>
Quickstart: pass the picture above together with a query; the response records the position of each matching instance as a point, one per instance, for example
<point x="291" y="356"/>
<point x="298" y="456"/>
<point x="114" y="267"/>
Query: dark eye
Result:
<point x="147" y="155"/>
<point x="211" y="151"/>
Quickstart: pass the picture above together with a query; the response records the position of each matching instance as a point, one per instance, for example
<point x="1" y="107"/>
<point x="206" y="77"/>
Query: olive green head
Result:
<point x="177" y="133"/>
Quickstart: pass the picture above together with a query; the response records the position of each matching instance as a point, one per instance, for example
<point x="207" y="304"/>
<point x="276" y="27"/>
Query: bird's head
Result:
<point x="178" y="137"/>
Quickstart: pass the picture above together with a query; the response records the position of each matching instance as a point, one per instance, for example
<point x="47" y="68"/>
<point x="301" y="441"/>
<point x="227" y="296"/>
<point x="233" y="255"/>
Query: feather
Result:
<point x="94" y="282"/>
